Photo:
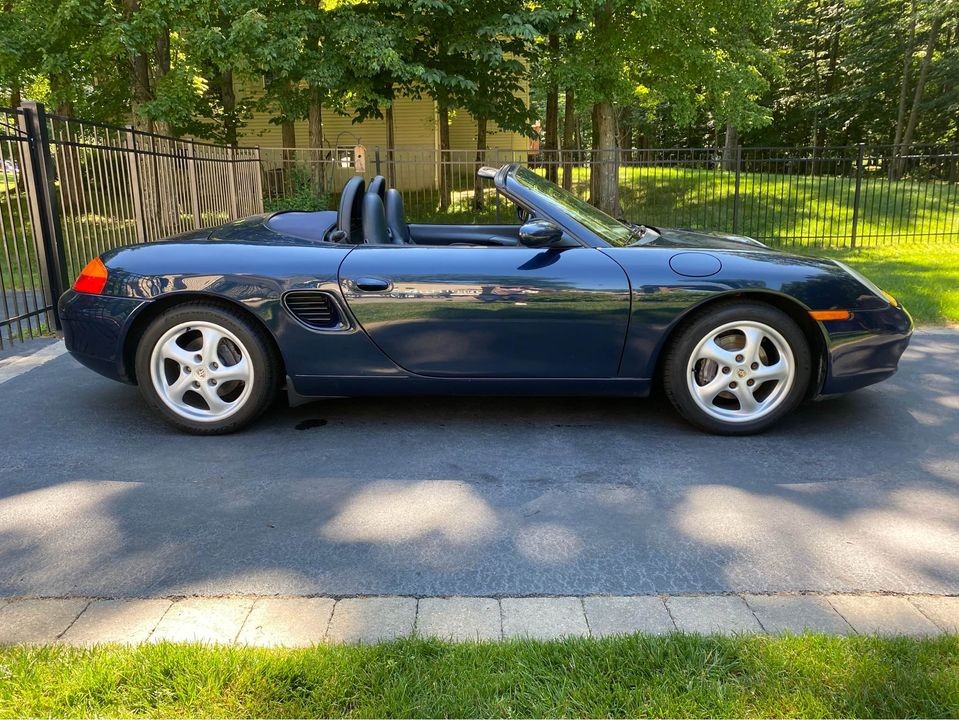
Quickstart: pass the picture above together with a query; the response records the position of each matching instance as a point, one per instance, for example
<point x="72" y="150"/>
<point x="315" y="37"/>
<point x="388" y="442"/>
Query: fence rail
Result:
<point x="855" y="196"/>
<point x="73" y="189"/>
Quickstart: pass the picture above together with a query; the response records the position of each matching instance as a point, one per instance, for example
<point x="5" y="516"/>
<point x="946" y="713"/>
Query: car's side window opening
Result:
<point x="384" y="223"/>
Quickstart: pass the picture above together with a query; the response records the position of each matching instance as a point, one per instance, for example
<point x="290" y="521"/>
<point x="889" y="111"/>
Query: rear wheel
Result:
<point x="206" y="368"/>
<point x="737" y="369"/>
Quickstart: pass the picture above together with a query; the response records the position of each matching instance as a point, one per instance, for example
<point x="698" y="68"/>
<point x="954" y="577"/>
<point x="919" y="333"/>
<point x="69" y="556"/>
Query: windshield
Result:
<point x="612" y="231"/>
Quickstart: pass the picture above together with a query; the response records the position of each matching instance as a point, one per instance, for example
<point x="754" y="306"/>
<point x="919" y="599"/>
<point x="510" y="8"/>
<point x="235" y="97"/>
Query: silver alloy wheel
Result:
<point x="201" y="371"/>
<point x="741" y="371"/>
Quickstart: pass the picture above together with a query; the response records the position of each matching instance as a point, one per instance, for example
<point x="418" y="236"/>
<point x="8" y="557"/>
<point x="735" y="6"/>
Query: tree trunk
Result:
<point x="445" y="167"/>
<point x="15" y="97"/>
<point x="604" y="173"/>
<point x="569" y="130"/>
<point x="228" y="97"/>
<point x="390" y="146"/>
<point x="907" y="52"/>
<point x="71" y="186"/>
<point x="920" y="85"/>
<point x="140" y="91"/>
<point x="551" y="131"/>
<point x="163" y="52"/>
<point x="729" y="147"/>
<point x="604" y="169"/>
<point x="315" y="122"/>
<point x="288" y="141"/>
<point x="624" y="136"/>
<point x="478" y="189"/>
<point x="161" y="70"/>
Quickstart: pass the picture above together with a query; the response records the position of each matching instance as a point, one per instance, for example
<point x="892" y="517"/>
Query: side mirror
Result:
<point x="540" y="233"/>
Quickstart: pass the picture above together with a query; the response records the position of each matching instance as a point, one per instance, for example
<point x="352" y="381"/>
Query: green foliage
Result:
<point x="300" y="193"/>
<point x="843" y="71"/>
<point x="782" y="72"/>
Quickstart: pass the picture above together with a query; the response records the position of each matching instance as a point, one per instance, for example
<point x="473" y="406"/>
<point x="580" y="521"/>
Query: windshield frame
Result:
<point x="579" y="219"/>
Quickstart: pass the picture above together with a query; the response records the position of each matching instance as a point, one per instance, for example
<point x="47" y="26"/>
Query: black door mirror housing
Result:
<point x="540" y="233"/>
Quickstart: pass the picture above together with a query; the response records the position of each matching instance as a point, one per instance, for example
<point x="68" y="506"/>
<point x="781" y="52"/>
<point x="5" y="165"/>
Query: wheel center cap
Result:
<point x="741" y="372"/>
<point x="201" y="373"/>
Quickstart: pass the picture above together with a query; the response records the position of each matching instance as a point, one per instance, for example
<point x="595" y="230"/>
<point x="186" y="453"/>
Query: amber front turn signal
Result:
<point x="830" y="314"/>
<point x="93" y="278"/>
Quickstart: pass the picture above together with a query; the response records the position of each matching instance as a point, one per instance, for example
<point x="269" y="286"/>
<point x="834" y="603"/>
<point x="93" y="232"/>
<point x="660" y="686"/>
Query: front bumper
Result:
<point x="865" y="349"/>
<point x="94" y="330"/>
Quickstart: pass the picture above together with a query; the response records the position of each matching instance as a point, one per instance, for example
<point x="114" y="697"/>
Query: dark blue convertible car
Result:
<point x="567" y="301"/>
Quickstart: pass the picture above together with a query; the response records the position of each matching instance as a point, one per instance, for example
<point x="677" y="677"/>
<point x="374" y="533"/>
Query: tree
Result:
<point x="468" y="54"/>
<point x="705" y="58"/>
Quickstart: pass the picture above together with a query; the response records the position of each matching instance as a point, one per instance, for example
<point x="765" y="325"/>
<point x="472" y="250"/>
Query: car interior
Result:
<point x="374" y="215"/>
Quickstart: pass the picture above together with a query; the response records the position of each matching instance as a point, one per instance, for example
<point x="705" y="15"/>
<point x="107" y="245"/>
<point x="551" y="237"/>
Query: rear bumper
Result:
<point x="94" y="329"/>
<point x="865" y="349"/>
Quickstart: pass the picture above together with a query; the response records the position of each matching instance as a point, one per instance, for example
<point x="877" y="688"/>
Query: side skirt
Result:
<point x="303" y="388"/>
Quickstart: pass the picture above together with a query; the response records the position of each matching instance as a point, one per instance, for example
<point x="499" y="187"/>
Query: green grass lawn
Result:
<point x="672" y="676"/>
<point x="789" y="210"/>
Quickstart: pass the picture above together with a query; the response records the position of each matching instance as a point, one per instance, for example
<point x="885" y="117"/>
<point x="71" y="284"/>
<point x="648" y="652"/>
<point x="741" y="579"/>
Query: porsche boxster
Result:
<point x="566" y="300"/>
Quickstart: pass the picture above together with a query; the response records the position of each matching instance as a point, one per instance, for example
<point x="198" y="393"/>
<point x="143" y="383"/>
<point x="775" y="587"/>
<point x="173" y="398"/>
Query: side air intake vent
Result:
<point x="313" y="308"/>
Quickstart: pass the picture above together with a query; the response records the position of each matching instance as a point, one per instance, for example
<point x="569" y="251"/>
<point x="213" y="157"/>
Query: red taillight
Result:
<point x="93" y="278"/>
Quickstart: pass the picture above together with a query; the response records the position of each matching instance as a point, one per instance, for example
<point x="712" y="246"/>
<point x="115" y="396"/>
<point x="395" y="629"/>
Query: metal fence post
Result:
<point x="739" y="167"/>
<point x="44" y="205"/>
<point x="234" y="204"/>
<point x="194" y="184"/>
<point x="258" y="181"/>
<point x="136" y="189"/>
<point x="857" y="196"/>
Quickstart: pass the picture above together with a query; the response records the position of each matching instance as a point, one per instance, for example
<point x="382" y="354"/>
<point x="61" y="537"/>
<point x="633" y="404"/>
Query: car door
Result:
<point x="507" y="312"/>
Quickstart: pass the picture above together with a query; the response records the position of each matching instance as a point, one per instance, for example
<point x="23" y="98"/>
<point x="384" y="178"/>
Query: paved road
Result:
<point x="479" y="496"/>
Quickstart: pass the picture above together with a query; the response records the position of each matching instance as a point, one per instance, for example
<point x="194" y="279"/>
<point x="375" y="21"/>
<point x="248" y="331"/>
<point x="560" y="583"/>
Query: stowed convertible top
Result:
<point x="312" y="226"/>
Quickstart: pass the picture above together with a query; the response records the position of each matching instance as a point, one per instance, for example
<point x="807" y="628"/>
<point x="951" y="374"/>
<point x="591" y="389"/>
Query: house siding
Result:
<point x="416" y="141"/>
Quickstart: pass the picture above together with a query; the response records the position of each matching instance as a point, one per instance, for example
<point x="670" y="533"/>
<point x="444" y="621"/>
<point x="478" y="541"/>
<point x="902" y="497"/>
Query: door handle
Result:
<point x="371" y="284"/>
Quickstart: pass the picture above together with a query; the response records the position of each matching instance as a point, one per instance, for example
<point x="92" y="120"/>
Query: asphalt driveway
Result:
<point x="479" y="496"/>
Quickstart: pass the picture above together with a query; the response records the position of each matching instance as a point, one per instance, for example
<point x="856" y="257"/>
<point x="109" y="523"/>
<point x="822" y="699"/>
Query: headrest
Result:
<point x="349" y="213"/>
<point x="396" y="217"/>
<point x="378" y="185"/>
<point x="375" y="230"/>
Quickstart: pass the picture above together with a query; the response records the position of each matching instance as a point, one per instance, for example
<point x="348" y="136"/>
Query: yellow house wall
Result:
<point x="416" y="138"/>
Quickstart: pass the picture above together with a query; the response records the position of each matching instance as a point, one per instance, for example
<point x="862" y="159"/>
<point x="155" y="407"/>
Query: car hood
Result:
<point x="680" y="238"/>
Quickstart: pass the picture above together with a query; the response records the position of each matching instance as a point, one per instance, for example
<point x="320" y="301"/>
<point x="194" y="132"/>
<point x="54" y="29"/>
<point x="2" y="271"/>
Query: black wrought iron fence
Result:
<point x="74" y="189"/>
<point x="856" y="196"/>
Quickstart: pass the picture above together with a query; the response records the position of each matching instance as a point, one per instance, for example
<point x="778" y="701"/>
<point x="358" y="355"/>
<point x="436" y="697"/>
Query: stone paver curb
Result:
<point x="307" y="621"/>
<point x="882" y="615"/>
<point x="543" y="618"/>
<point x="796" y="614"/>
<point x="724" y="614"/>
<point x="459" y="618"/>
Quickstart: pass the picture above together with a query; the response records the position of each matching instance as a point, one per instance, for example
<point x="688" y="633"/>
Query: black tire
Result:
<point x="260" y="352"/>
<point x="677" y="362"/>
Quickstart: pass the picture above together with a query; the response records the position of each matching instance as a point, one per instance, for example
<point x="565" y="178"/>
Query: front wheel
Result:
<point x="737" y="369"/>
<point x="206" y="368"/>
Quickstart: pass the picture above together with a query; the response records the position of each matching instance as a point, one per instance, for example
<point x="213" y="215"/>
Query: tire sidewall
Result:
<point x="258" y="350"/>
<point x="675" y="367"/>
